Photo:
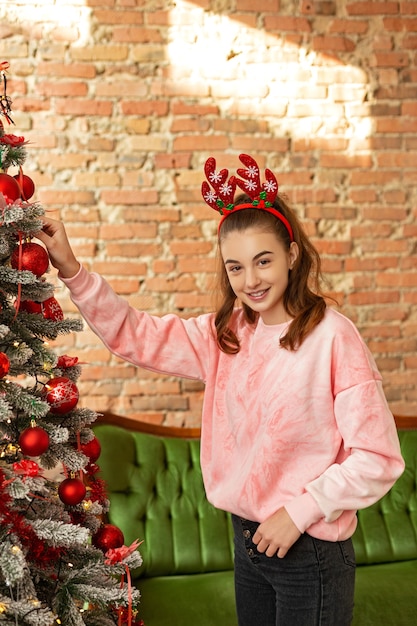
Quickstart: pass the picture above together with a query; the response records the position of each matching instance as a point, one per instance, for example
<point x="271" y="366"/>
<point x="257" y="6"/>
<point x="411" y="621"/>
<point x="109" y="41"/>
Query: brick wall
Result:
<point x="123" y="100"/>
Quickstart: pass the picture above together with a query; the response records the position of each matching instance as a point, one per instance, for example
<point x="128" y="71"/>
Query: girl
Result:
<point x="296" y="431"/>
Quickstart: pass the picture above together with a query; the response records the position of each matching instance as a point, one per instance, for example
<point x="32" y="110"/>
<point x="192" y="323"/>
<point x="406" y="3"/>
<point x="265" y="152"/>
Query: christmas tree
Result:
<point x="60" y="563"/>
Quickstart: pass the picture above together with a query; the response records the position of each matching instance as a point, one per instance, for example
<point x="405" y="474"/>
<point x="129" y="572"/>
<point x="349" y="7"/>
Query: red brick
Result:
<point x="390" y="59"/>
<point x="136" y="249"/>
<point x="326" y="246"/>
<point x="344" y="25"/>
<point x="360" y="264"/>
<point x="159" y="18"/>
<point x="134" y="196"/>
<point x="199" y="301"/>
<point x="70" y="70"/>
<point x="172" y="161"/>
<point x="167" y="285"/>
<point x="60" y="196"/>
<point x="284" y="23"/>
<point x="333" y="43"/>
<point x="148" y="107"/>
<point x="402" y="279"/>
<point x="400" y="24"/>
<point x="118" y="268"/>
<point x="371" y="7"/>
<point x="136" y="35"/>
<point x="83" y="107"/>
<point x="346" y="160"/>
<point x="180" y="107"/>
<point x="114" y="17"/>
<point x="129" y="88"/>
<point x="191" y="247"/>
<point x="207" y="143"/>
<point x="373" y="297"/>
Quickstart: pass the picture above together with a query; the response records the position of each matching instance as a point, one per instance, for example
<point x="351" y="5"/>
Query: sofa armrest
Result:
<point x="182" y="432"/>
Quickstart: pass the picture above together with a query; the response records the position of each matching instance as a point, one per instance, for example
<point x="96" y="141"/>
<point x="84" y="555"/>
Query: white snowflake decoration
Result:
<point x="215" y="177"/>
<point x="270" y="185"/>
<point x="226" y="189"/>
<point x="210" y="196"/>
<point x="250" y="185"/>
<point x="252" y="171"/>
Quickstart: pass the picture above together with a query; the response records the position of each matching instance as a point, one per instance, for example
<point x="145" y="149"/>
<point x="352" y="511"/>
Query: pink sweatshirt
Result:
<point x="309" y="430"/>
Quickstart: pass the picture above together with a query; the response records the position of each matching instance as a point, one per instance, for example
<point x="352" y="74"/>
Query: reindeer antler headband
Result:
<point x="220" y="197"/>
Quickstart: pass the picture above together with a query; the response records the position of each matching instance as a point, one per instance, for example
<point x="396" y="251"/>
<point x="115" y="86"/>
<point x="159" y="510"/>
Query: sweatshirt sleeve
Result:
<point x="369" y="460"/>
<point x="373" y="457"/>
<point x="167" y="344"/>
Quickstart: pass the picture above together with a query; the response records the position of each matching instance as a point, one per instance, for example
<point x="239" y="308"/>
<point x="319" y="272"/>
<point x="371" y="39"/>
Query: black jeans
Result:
<point x="313" y="585"/>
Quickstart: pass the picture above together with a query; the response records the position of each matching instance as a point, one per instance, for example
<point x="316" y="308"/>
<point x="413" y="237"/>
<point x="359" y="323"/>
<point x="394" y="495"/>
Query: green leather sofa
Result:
<point x="156" y="494"/>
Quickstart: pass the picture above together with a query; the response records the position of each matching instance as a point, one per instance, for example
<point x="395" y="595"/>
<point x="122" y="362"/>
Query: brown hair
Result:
<point x="303" y="298"/>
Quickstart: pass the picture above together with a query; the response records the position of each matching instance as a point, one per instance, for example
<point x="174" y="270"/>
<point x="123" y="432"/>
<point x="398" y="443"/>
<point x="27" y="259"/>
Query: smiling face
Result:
<point x="257" y="265"/>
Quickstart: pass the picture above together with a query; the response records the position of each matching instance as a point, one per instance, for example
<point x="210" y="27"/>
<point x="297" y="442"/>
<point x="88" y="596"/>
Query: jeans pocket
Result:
<point x="348" y="552"/>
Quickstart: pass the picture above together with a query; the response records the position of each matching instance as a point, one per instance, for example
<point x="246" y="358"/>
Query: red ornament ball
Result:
<point x="4" y="364"/>
<point x="108" y="537"/>
<point x="33" y="258"/>
<point x="61" y="394"/>
<point x="9" y="187"/>
<point x="72" y="491"/>
<point x="26" y="185"/>
<point x="91" y="449"/>
<point x="34" y="441"/>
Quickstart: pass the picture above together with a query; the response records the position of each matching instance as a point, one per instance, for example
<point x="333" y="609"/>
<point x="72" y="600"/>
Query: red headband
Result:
<point x="220" y="198"/>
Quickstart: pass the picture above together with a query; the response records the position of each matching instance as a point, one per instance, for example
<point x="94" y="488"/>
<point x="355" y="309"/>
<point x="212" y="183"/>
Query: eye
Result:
<point x="233" y="269"/>
<point x="264" y="261"/>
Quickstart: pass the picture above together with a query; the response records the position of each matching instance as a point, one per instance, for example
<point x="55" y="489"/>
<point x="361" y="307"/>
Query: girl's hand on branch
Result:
<point x="54" y="237"/>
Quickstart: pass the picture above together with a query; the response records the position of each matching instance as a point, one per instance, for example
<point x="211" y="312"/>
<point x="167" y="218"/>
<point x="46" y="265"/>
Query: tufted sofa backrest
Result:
<point x="387" y="530"/>
<point x="156" y="493"/>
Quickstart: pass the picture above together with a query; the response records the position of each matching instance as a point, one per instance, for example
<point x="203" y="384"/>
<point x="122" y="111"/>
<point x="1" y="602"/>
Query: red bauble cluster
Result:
<point x="108" y="537"/>
<point x="61" y="394"/>
<point x="34" y="441"/>
<point x="15" y="187"/>
<point x="72" y="491"/>
<point x="30" y="256"/>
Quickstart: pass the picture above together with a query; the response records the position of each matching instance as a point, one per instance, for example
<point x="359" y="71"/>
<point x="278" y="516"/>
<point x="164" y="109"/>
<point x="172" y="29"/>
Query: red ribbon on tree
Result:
<point x="117" y="555"/>
<point x="26" y="468"/>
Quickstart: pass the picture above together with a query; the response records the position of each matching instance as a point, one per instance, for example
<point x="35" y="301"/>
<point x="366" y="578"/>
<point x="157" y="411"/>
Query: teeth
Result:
<point x="256" y="294"/>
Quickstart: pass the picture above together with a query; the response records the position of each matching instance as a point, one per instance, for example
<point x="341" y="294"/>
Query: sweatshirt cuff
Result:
<point x="304" y="511"/>
<point x="78" y="283"/>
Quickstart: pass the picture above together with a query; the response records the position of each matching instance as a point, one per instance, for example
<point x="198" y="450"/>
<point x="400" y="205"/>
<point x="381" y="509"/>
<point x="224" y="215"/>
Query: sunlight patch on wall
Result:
<point x="45" y="17"/>
<point x="253" y="73"/>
